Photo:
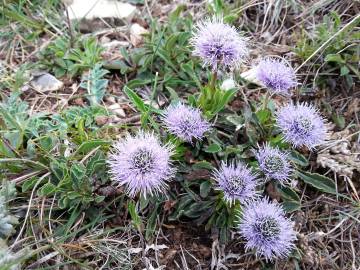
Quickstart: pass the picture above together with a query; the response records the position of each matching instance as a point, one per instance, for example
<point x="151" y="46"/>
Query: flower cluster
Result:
<point x="267" y="230"/>
<point x="276" y="75"/>
<point x="219" y="45"/>
<point x="301" y="125"/>
<point x="143" y="165"/>
<point x="236" y="181"/>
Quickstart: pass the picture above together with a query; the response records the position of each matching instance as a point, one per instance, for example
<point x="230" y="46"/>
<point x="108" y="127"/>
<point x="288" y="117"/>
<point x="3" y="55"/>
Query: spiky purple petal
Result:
<point x="185" y="122"/>
<point x="301" y="125"/>
<point x="236" y="181"/>
<point x="219" y="45"/>
<point x="274" y="163"/>
<point x="276" y="75"/>
<point x="266" y="229"/>
<point x="141" y="164"/>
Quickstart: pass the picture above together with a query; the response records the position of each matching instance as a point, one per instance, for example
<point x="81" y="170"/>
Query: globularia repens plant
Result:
<point x="234" y="195"/>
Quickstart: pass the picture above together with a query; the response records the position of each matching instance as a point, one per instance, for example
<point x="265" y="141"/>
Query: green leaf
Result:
<point x="137" y="83"/>
<point x="335" y="58"/>
<point x="189" y="69"/>
<point x="298" y="158"/>
<point x="29" y="184"/>
<point x="263" y="115"/>
<point x="64" y="202"/>
<point x="192" y="100"/>
<point x="151" y="223"/>
<point x="176" y="13"/>
<point x="5" y="150"/>
<point x="10" y="119"/>
<point x="339" y="120"/>
<point x="173" y="95"/>
<point x="203" y="165"/>
<point x="47" y="142"/>
<point x="288" y="193"/>
<point x="125" y="54"/>
<point x="99" y="199"/>
<point x="318" y="181"/>
<point x="59" y="169"/>
<point x="197" y="209"/>
<point x="96" y="163"/>
<point x="171" y="41"/>
<point x="213" y="148"/>
<point x="95" y="84"/>
<point x="291" y="200"/>
<point x="205" y="188"/>
<point x="15" y="138"/>
<point x="221" y="99"/>
<point x="77" y="173"/>
<point x="290" y="206"/>
<point x="344" y="70"/>
<point x="136" y="220"/>
<point x="236" y="120"/>
<point x="47" y="189"/>
<point x="135" y="99"/>
<point x="86" y="147"/>
<point x="231" y="18"/>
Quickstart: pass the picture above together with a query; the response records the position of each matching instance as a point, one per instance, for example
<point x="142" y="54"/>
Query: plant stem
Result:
<point x="266" y="100"/>
<point x="213" y="82"/>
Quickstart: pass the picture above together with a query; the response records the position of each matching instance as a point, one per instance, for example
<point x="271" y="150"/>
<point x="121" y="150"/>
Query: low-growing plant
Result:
<point x="95" y="84"/>
<point x="195" y="156"/>
<point x="35" y="138"/>
<point x="71" y="60"/>
<point x="341" y="53"/>
<point x="234" y="158"/>
<point x="7" y="221"/>
<point x="165" y="55"/>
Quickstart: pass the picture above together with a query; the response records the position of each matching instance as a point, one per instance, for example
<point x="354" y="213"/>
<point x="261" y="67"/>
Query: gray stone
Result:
<point x="44" y="82"/>
<point x="116" y="108"/>
<point x="91" y="9"/>
<point x="136" y="34"/>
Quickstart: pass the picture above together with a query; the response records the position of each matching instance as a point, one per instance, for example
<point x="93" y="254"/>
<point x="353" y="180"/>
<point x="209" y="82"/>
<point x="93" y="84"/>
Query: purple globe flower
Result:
<point x="219" y="45"/>
<point x="274" y="163"/>
<point x="141" y="164"/>
<point x="236" y="181"/>
<point x="267" y="230"/>
<point x="301" y="125"/>
<point x="185" y="122"/>
<point x="276" y="75"/>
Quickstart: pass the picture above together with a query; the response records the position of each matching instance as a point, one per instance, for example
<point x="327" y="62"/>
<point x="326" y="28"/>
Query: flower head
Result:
<point x="276" y="75"/>
<point x="236" y="181"/>
<point x="219" y="45"/>
<point x="185" y="122"/>
<point x="267" y="230"/>
<point x="274" y="163"/>
<point x="301" y="125"/>
<point x="141" y="164"/>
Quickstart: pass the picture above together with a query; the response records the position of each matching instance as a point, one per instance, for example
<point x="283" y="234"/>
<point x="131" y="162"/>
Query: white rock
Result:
<point x="136" y="34"/>
<point x="115" y="44"/>
<point x="250" y="75"/>
<point x="104" y="40"/>
<point x="90" y="9"/>
<point x="228" y="84"/>
<point x="116" y="108"/>
<point x="110" y="99"/>
<point x="43" y="82"/>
